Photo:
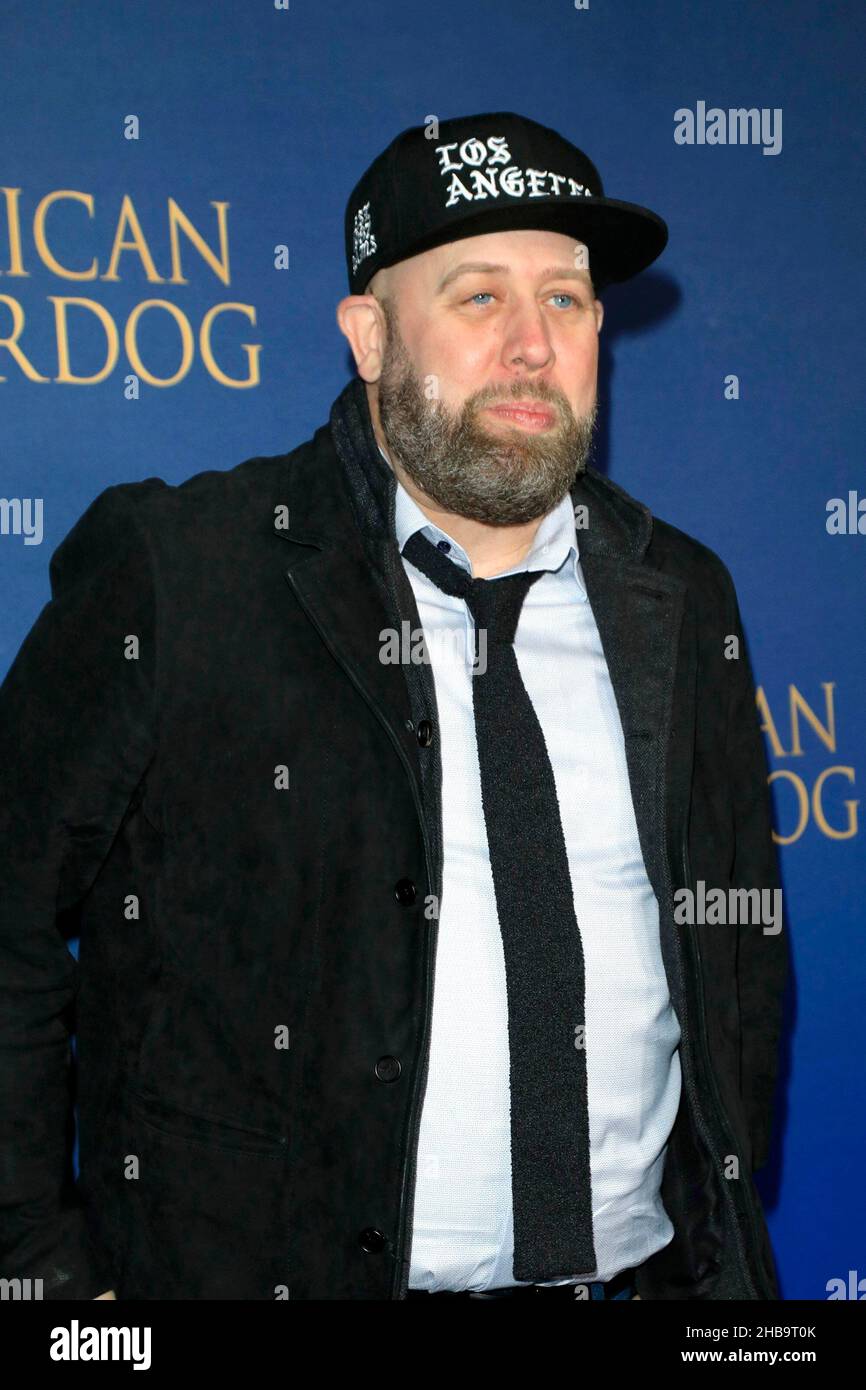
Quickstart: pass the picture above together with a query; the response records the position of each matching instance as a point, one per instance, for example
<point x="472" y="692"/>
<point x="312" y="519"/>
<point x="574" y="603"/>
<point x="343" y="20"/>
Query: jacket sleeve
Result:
<point x="76" y="735"/>
<point x="762" y="958"/>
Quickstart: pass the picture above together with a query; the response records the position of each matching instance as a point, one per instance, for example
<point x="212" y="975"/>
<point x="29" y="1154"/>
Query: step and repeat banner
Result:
<point x="174" y="180"/>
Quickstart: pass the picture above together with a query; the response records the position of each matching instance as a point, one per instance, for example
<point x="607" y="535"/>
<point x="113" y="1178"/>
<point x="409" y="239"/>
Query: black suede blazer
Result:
<point x="207" y="773"/>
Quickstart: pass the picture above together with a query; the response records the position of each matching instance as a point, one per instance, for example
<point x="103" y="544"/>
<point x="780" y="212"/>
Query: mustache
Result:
<point x="521" y="391"/>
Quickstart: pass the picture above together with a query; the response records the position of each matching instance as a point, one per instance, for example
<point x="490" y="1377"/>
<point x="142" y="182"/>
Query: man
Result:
<point x="372" y="776"/>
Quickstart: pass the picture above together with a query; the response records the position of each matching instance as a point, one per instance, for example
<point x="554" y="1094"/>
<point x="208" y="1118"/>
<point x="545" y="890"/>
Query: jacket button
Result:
<point x="371" y="1240"/>
<point x="404" y="892"/>
<point x="425" y="733"/>
<point x="388" y="1068"/>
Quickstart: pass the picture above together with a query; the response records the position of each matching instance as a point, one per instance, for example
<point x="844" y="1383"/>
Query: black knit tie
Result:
<point x="550" y="1168"/>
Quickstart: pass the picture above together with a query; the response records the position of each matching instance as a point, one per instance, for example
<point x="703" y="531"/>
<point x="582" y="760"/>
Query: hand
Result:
<point x="110" y="1294"/>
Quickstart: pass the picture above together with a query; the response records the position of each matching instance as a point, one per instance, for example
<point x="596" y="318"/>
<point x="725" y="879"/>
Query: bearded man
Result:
<point x="405" y="1010"/>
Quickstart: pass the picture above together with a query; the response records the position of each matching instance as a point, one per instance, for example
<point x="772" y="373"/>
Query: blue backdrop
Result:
<point x="175" y="178"/>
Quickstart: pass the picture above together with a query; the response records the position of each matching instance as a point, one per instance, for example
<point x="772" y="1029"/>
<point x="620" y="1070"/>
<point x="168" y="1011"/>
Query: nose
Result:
<point x="527" y="339"/>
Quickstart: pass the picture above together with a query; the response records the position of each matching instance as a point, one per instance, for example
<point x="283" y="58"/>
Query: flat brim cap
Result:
<point x="496" y="172"/>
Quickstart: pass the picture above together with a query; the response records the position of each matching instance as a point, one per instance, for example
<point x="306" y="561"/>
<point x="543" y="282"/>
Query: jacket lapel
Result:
<point x="639" y="612"/>
<point x="332" y="574"/>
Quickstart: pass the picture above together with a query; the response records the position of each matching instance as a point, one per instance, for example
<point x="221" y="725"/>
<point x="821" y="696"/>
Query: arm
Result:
<point x="762" y="959"/>
<point x="76" y="735"/>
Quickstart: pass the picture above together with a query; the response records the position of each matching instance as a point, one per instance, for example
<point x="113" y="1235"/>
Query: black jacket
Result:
<point x="210" y="776"/>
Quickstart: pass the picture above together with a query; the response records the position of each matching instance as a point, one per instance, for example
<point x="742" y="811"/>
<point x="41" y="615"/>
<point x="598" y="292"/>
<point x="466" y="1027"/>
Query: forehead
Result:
<point x="520" y="253"/>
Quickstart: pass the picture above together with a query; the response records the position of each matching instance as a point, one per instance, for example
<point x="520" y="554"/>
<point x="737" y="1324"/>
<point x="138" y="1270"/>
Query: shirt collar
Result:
<point x="554" y="543"/>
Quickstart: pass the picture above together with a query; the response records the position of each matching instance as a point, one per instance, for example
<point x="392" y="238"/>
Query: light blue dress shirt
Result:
<point x="463" y="1235"/>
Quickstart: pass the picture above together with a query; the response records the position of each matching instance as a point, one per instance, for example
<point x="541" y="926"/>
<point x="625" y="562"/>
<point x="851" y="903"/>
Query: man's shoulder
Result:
<point x="690" y="556"/>
<point x="212" y="505"/>
<point x="672" y="550"/>
<point x="209" y="517"/>
<point x="249" y="485"/>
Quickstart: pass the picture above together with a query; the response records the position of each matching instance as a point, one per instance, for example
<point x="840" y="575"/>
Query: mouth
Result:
<point x="530" y="415"/>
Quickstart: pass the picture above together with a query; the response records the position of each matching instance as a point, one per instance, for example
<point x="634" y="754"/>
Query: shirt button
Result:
<point x="425" y="733"/>
<point x="405" y="892"/>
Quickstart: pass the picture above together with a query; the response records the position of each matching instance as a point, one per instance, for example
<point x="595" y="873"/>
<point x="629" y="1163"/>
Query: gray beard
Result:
<point x="505" y="480"/>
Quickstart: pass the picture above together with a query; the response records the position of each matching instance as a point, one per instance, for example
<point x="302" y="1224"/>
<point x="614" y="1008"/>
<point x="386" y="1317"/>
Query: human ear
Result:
<point x="361" y="320"/>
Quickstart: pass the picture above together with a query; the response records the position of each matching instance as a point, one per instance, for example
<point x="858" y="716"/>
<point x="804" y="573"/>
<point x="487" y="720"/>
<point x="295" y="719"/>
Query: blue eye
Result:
<point x="488" y="294"/>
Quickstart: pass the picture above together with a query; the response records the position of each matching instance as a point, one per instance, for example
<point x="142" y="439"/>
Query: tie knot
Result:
<point x="495" y="604"/>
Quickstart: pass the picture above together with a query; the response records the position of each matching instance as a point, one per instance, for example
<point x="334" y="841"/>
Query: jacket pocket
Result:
<point x="203" y="1210"/>
<point x="211" y="1130"/>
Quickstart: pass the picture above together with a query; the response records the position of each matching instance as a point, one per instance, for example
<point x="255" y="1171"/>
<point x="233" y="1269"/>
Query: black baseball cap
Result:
<point x="446" y="180"/>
